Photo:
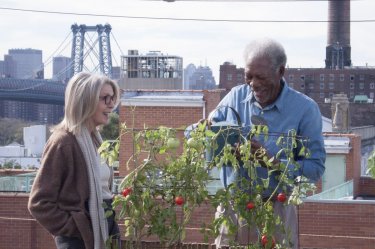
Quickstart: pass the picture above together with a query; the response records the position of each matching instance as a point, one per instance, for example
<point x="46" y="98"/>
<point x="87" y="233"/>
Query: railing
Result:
<point x="212" y="186"/>
<point x="18" y="183"/>
<point x="23" y="183"/>
<point x="338" y="192"/>
<point x="366" y="132"/>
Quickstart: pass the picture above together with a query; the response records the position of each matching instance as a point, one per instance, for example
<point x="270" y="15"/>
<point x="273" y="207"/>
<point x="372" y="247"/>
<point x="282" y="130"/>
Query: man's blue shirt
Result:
<point x="291" y="111"/>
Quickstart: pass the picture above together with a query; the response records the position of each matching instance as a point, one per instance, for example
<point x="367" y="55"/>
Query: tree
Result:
<point x="371" y="165"/>
<point x="11" y="130"/>
<point x="111" y="130"/>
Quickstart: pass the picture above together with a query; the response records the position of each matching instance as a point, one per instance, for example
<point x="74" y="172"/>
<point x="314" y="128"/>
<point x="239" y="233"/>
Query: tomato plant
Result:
<point x="168" y="181"/>
<point x="169" y="175"/>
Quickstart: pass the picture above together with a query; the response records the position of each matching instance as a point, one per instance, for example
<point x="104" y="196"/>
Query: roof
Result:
<point x="162" y="98"/>
<point x="360" y="98"/>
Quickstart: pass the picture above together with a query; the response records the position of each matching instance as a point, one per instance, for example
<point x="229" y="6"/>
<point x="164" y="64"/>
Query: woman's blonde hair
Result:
<point x="81" y="100"/>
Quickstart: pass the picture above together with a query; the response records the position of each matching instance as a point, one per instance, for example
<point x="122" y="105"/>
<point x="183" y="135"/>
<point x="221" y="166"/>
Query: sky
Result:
<point x="206" y="43"/>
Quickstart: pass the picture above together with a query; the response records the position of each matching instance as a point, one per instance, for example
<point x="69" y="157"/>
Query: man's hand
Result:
<point x="259" y="153"/>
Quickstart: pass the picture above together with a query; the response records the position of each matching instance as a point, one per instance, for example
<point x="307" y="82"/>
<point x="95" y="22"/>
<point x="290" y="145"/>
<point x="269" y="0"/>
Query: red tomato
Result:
<point x="126" y="192"/>
<point x="250" y="205"/>
<point x="264" y="241"/>
<point x="179" y="200"/>
<point x="281" y="197"/>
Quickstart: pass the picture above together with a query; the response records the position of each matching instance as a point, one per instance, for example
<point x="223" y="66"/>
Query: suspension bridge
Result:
<point x="90" y="51"/>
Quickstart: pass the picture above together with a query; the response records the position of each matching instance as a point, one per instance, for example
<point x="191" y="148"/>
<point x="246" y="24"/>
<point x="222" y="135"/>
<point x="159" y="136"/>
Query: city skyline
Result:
<point x="197" y="40"/>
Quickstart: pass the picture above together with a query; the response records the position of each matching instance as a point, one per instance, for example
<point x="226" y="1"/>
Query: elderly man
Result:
<point x="267" y="99"/>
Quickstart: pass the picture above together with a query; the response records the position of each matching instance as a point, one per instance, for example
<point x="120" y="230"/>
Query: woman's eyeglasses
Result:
<point x="108" y="98"/>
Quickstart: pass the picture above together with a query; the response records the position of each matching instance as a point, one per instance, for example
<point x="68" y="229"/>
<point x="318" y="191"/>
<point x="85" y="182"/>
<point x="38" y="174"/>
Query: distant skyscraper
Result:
<point x="188" y="72"/>
<point x="9" y="67"/>
<point x="151" y="71"/>
<point x="24" y="64"/>
<point x="2" y="69"/>
<point x="198" y="78"/>
<point x="116" y="73"/>
<point x="62" y="68"/>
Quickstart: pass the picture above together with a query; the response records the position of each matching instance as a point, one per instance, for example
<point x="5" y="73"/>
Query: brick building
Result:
<point x="230" y="76"/>
<point x="321" y="83"/>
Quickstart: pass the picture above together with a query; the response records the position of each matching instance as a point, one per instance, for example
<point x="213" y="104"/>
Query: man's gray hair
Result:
<point x="268" y="48"/>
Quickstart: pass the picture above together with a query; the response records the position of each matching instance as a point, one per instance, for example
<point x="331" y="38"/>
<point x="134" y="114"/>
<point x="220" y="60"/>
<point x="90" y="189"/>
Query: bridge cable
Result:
<point x="49" y="59"/>
<point x="118" y="46"/>
<point x="55" y="52"/>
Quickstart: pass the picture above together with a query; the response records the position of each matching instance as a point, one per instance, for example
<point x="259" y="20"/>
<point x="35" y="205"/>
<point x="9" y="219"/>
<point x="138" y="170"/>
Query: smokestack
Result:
<point x="338" y="50"/>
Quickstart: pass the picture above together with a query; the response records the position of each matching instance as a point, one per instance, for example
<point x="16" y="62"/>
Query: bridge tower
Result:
<point x="104" y="45"/>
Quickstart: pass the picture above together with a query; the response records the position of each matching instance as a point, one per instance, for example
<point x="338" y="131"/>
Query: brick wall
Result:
<point x="335" y="224"/>
<point x="323" y="225"/>
<point x="18" y="229"/>
<point x="367" y="186"/>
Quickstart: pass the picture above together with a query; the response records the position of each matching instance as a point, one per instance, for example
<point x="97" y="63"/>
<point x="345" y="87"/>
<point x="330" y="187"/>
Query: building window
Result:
<point x="331" y="85"/>
<point x="372" y="85"/>
<point x="331" y="77"/>
<point x="321" y="95"/>
<point x="322" y="77"/>
<point x="361" y="77"/>
<point x="342" y="77"/>
<point x="352" y="77"/>
<point x="330" y="95"/>
<point x="291" y="85"/>
<point x="302" y="86"/>
<point x="351" y="94"/>
<point x="351" y="85"/>
<point x="303" y="77"/>
<point x="321" y="85"/>
<point x="239" y="77"/>
<point x="361" y="85"/>
<point x="229" y="76"/>
<point x="372" y="95"/>
<point x="291" y="77"/>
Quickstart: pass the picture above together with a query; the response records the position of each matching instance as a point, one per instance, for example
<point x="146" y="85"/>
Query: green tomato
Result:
<point x="194" y="143"/>
<point x="137" y="213"/>
<point x="172" y="143"/>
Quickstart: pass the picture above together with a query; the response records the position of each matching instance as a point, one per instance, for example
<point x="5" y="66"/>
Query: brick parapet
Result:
<point x="323" y="224"/>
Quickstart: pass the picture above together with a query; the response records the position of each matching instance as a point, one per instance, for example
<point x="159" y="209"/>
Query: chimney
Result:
<point x="338" y="50"/>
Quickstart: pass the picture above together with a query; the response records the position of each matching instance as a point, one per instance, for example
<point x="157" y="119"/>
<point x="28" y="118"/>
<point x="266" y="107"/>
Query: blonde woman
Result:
<point x="72" y="184"/>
